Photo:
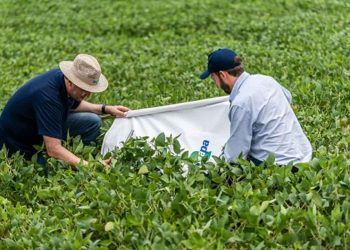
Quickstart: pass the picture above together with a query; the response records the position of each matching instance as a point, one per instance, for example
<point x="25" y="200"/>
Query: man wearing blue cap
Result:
<point x="262" y="120"/>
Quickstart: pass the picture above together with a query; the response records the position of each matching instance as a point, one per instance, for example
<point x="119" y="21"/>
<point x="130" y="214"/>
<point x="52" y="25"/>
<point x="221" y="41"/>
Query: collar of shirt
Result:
<point x="62" y="85"/>
<point x="238" y="85"/>
<point x="63" y="90"/>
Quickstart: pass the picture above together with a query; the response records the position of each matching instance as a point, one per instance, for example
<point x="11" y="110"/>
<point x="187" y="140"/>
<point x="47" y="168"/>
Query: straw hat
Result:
<point x="85" y="72"/>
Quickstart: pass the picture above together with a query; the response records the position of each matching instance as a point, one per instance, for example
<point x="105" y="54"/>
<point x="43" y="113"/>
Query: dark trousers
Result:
<point x="85" y="124"/>
<point x="254" y="160"/>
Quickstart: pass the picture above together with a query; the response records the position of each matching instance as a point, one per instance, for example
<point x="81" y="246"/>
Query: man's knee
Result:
<point x="94" y="120"/>
<point x="94" y="123"/>
<point x="85" y="124"/>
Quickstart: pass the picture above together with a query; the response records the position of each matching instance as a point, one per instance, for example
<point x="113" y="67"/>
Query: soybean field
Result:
<point x="152" y="53"/>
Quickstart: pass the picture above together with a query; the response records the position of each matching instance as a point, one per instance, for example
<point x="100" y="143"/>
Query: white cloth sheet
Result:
<point x="203" y="125"/>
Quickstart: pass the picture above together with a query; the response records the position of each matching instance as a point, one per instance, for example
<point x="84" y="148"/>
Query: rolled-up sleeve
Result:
<point x="241" y="130"/>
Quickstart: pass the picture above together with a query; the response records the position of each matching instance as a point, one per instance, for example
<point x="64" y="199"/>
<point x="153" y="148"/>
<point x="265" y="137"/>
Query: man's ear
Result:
<point x="68" y="83"/>
<point x="69" y="86"/>
<point x="222" y="74"/>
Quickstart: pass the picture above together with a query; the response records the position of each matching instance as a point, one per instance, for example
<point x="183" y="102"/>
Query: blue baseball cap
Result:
<point x="221" y="59"/>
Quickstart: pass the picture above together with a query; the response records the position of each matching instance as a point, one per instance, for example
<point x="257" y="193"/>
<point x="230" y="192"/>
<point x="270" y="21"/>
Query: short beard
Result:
<point x="226" y="88"/>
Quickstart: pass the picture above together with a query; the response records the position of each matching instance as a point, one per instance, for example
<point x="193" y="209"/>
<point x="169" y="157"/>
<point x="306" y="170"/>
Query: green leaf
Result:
<point x="254" y="210"/>
<point x="143" y="170"/>
<point x="84" y="207"/>
<point x="107" y="156"/>
<point x="160" y="140"/>
<point x="109" y="226"/>
<point x="177" y="146"/>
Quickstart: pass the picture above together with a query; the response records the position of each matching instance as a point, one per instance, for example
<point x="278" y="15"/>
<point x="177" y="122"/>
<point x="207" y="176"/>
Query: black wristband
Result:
<point x="103" y="109"/>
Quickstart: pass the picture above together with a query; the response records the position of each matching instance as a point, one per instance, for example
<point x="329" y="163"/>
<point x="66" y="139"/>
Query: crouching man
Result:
<point x="262" y="120"/>
<point x="49" y="105"/>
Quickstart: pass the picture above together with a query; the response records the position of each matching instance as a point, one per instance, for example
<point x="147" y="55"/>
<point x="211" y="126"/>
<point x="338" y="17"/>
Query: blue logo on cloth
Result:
<point x="203" y="152"/>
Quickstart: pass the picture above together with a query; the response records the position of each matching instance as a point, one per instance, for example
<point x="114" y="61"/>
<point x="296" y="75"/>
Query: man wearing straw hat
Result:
<point x="48" y="106"/>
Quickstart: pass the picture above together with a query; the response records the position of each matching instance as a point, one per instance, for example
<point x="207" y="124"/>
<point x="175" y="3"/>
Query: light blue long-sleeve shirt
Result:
<point x="263" y="122"/>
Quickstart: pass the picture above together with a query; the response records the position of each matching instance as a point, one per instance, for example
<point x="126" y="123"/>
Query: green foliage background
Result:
<point x="152" y="53"/>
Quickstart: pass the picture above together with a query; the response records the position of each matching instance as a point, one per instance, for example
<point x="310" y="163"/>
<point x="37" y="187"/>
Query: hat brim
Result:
<point x="66" y="68"/>
<point x="204" y="75"/>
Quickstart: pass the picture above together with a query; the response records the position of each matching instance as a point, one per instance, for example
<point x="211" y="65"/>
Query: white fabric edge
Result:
<point x="175" y="107"/>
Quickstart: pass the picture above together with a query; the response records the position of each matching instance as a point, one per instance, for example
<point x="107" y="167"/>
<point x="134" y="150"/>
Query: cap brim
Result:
<point x="204" y="75"/>
<point x="66" y="68"/>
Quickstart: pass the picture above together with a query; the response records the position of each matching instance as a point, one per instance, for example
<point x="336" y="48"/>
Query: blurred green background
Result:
<point x="153" y="51"/>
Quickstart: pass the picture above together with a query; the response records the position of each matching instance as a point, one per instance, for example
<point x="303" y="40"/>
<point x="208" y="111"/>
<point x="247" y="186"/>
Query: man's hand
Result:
<point x="117" y="111"/>
<point x="106" y="163"/>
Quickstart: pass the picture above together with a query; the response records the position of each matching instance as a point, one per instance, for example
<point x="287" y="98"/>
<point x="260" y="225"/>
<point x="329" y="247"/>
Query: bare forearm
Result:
<point x="118" y="111"/>
<point x="55" y="149"/>
<point x="85" y="106"/>
<point x="61" y="153"/>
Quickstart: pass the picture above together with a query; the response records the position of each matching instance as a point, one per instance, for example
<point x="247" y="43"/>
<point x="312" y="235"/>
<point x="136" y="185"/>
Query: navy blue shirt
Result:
<point x="40" y="107"/>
